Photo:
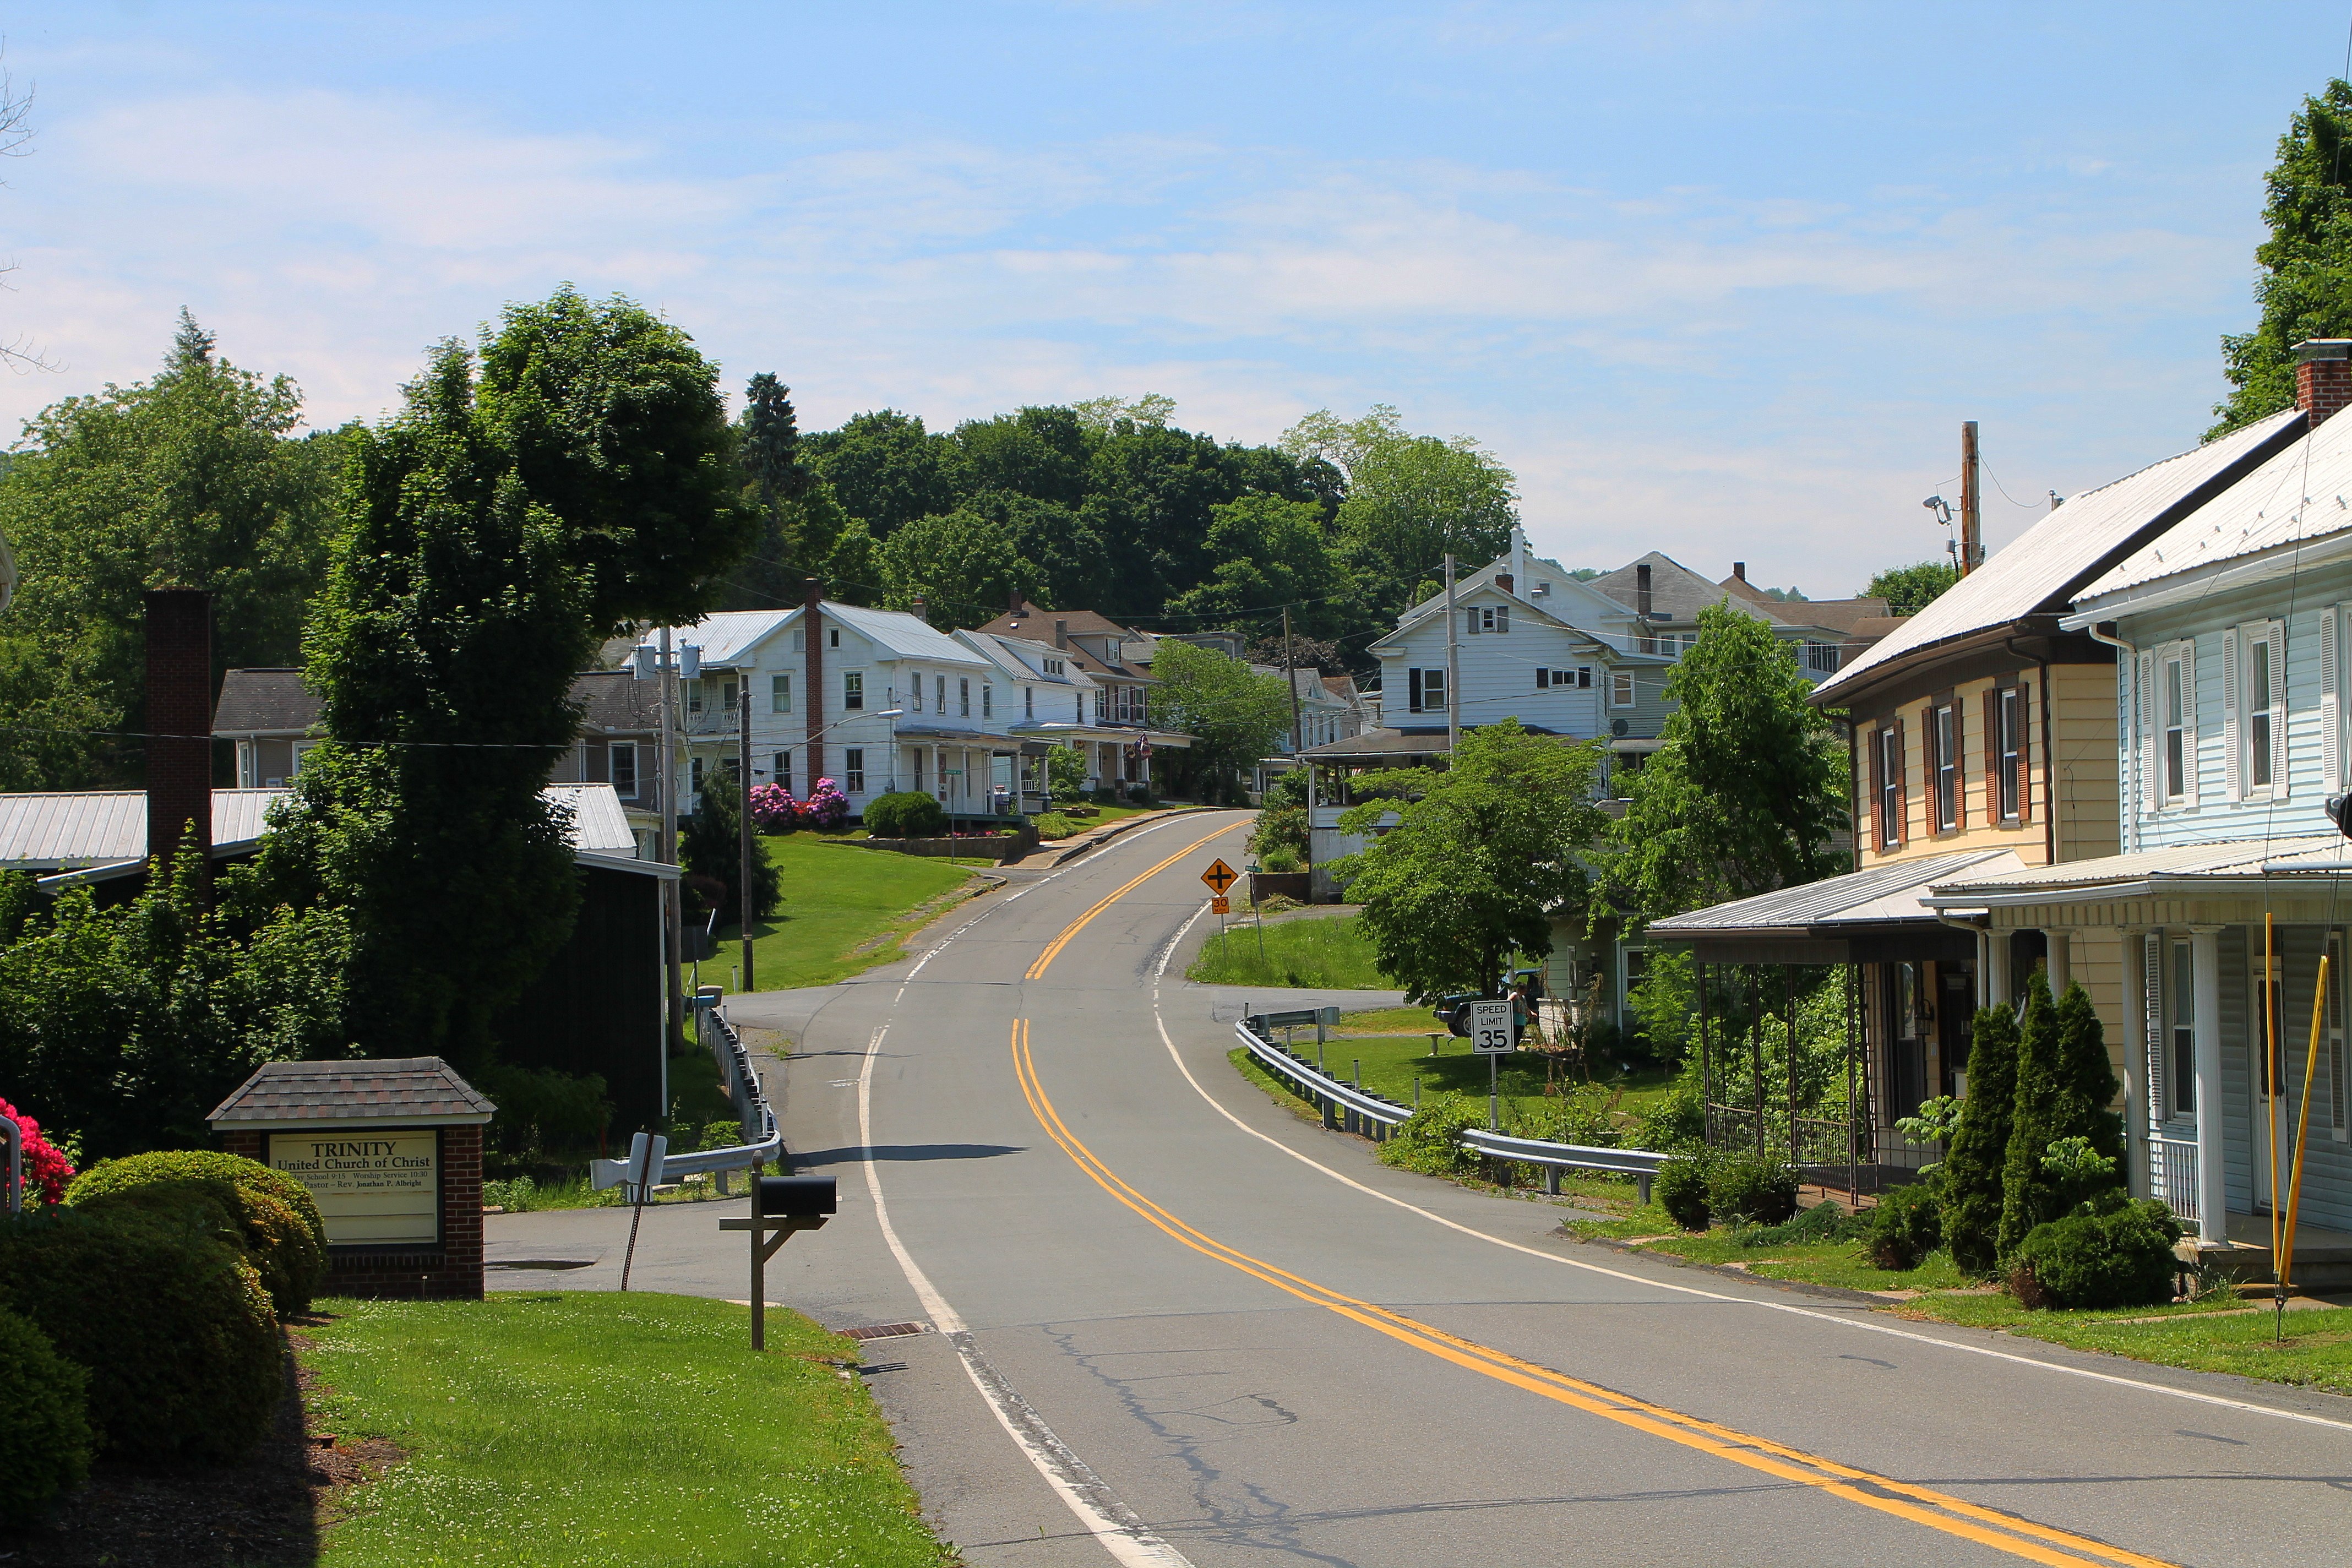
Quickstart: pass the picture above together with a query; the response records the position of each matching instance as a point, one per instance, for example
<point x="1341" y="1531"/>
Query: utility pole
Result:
<point x="743" y="813"/>
<point x="673" y="911"/>
<point x="1290" y="678"/>
<point x="1972" y="522"/>
<point x="1453" y="665"/>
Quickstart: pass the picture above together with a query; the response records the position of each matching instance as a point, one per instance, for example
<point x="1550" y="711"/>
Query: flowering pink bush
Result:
<point x="46" y="1171"/>
<point x="773" y="809"/>
<point x="827" y="806"/>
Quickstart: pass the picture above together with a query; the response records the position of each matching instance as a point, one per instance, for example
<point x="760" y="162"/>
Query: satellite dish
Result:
<point x="1620" y="728"/>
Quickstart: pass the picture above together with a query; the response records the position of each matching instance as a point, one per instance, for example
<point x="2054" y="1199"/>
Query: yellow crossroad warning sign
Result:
<point x="1220" y="877"/>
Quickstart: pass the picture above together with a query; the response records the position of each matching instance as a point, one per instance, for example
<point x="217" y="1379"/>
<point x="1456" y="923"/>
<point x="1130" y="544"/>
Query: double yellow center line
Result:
<point x="1054" y="948"/>
<point x="1920" y="1505"/>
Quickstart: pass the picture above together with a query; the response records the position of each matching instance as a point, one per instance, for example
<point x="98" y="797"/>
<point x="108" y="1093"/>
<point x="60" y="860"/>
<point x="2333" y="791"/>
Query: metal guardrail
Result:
<point x="1641" y="1164"/>
<point x="763" y="1138"/>
<point x="1351" y="1108"/>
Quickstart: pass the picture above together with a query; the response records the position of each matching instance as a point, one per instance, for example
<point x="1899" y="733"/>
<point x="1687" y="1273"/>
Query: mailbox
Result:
<point x="796" y="1197"/>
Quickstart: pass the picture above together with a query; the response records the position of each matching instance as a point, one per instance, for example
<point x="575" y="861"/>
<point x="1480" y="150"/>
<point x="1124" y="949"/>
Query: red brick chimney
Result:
<point x="1502" y="580"/>
<point x="2322" y="377"/>
<point x="813" y="679"/>
<point x="179" y="722"/>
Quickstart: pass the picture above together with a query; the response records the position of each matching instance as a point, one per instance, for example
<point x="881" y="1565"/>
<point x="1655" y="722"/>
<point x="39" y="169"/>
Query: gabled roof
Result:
<point x="2300" y="494"/>
<point x="1543" y="584"/>
<point x="1890" y="893"/>
<point x="262" y="702"/>
<point x="1829" y="615"/>
<point x="1676" y="592"/>
<point x="1483" y="589"/>
<point x="1022" y="659"/>
<point x="2046" y="567"/>
<point x="418" y="1090"/>
<point x="728" y="638"/>
<point x="615" y="701"/>
<point x="1027" y="620"/>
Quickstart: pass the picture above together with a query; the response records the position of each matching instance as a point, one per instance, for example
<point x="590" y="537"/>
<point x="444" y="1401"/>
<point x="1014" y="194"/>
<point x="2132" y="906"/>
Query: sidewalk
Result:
<point x="1064" y="850"/>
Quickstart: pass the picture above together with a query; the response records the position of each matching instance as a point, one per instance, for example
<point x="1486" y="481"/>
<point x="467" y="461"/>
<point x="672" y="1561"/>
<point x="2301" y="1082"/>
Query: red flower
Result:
<point x="46" y="1171"/>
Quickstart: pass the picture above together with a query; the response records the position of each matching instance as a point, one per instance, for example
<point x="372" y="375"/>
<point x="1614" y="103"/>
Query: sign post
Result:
<point x="1490" y="1037"/>
<point x="782" y="1206"/>
<point x="1220" y="877"/>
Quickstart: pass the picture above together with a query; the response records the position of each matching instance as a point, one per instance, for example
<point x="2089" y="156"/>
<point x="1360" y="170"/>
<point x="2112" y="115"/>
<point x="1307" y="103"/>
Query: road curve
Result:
<point x="1172" y="1324"/>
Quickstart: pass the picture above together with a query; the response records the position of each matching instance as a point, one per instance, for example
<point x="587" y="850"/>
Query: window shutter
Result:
<point x="2024" y="752"/>
<point x="2151" y="781"/>
<point x="1502" y="617"/>
<point x="1992" y="754"/>
<point x="2152" y="1003"/>
<point x="1902" y="793"/>
<point x="2280" y="708"/>
<point x="1960" y="764"/>
<point x="2331" y="703"/>
<point x="1472" y="618"/>
<point x="2232" y="770"/>
<point x="1878" y="788"/>
<point x="1412" y="684"/>
<point x="2193" y="762"/>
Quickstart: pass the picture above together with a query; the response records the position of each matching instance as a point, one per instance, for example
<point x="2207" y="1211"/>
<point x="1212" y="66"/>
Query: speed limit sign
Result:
<point x="1490" y="1028"/>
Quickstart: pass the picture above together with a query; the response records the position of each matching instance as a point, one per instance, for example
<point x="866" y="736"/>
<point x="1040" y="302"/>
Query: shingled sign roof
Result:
<point x="400" y="1090"/>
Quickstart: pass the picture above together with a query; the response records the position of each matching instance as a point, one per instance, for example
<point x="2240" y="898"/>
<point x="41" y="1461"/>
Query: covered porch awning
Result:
<point x="1064" y="734"/>
<point x="2294" y="878"/>
<point x="1879" y="914"/>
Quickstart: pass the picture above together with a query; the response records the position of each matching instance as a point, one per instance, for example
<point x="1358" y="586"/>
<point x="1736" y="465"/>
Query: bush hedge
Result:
<point x="1430" y="1140"/>
<point x="173" y="1329"/>
<point x="1906" y="1225"/>
<point x="905" y="813"/>
<point x="1680" y="1189"/>
<point x="45" y="1436"/>
<point x="1761" y="1192"/>
<point x="267" y="1216"/>
<point x="2121" y="1258"/>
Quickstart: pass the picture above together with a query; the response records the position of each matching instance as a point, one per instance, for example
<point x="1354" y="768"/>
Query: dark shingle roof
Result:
<point x="264" y="702"/>
<point x="417" y="1088"/>
<point x="616" y="700"/>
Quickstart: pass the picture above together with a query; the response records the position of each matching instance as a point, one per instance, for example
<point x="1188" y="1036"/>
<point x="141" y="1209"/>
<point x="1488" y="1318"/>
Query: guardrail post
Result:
<point x="1330" y="1107"/>
<point x="1642" y="1187"/>
<point x="1551" y="1180"/>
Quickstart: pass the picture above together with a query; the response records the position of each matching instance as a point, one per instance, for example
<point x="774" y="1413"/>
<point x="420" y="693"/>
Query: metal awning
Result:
<point x="2309" y="860"/>
<point x="1877" y="913"/>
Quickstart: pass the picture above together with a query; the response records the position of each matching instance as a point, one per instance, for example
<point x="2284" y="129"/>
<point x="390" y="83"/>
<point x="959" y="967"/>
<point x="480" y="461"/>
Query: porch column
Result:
<point x="2061" y="971"/>
<point x="2212" y="1173"/>
<point x="2131" y="949"/>
<point x="1992" y="972"/>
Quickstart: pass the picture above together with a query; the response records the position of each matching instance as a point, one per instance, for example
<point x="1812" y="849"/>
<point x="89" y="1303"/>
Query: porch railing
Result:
<point x="2172" y="1175"/>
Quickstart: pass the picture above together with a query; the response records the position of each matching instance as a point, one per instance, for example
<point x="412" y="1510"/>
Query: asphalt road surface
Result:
<point x="1167" y="1322"/>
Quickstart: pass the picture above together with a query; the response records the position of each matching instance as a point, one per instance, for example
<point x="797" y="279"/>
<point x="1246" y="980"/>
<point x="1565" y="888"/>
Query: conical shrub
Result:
<point x="1971" y="1172"/>
<point x="2065" y="1089"/>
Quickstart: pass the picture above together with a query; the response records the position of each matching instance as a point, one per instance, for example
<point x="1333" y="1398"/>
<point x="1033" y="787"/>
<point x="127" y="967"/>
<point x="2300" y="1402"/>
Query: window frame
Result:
<point x="1887" y="783"/>
<point x="853" y="691"/>
<point x="614" y="751"/>
<point x="2175" y="714"/>
<point x="781" y="765"/>
<point x="780" y="693"/>
<point x="1948" y="780"/>
<point x="2009" y="754"/>
<point x="853" y="770"/>
<point x="2180" y="1031"/>
<point x="1633" y="695"/>
<point x="963" y="696"/>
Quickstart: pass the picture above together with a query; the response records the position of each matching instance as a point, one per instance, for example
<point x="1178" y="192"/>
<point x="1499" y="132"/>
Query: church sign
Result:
<point x="373" y="1188"/>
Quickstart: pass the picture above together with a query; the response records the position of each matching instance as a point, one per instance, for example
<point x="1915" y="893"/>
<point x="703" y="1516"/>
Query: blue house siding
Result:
<point x="2237" y="1092"/>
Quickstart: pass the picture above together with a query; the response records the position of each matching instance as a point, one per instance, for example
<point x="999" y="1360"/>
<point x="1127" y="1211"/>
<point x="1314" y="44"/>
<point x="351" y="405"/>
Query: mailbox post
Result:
<point x="780" y="1206"/>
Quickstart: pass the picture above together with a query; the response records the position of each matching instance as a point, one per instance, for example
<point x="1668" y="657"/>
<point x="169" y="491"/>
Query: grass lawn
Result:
<point x="1319" y="952"/>
<point x="595" y="1428"/>
<point x="2211" y="1335"/>
<point x="1392" y="1062"/>
<point x="845" y="911"/>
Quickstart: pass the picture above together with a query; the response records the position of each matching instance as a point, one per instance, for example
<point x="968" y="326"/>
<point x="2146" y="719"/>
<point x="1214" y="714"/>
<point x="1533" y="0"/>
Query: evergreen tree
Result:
<point x="2305" y="282"/>
<point x="1972" y="1169"/>
<point x="710" y="843"/>
<point x="2065" y="1087"/>
<point x="768" y="451"/>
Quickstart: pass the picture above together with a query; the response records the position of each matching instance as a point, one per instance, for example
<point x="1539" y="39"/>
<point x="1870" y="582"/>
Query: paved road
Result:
<point x="1183" y="1327"/>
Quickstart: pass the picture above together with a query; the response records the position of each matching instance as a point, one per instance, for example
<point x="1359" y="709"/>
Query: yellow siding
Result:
<point x="2097" y="960"/>
<point x="2083" y="698"/>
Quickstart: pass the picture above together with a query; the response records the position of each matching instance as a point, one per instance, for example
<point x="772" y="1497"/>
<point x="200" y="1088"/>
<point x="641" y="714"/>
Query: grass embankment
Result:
<point x="594" y="1429"/>
<point x="845" y="911"/>
<point x="2215" y="1334"/>
<point x="1325" y="954"/>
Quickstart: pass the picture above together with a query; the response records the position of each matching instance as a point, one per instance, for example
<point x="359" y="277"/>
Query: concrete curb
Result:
<point x="1104" y="836"/>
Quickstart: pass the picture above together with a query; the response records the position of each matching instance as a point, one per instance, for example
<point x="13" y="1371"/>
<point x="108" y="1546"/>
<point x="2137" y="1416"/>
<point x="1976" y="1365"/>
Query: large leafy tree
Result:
<point x="1234" y="714"/>
<point x="963" y="565"/>
<point x="792" y="539"/>
<point x="195" y="478"/>
<point x="1269" y="552"/>
<point x="711" y="844"/>
<point x="887" y="469"/>
<point x="1908" y="590"/>
<point x="1410" y="499"/>
<point x="1481" y="860"/>
<point x="2303" y="282"/>
<point x="497" y="527"/>
<point x="1747" y="788"/>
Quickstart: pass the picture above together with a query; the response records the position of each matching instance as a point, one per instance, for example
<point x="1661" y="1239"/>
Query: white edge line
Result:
<point x="1130" y="1543"/>
<point x="2249" y="1407"/>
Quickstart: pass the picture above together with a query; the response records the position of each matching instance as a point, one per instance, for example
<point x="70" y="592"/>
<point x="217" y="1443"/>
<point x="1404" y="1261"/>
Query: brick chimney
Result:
<point x="922" y="610"/>
<point x="813" y="679"/>
<point x="2322" y="377"/>
<point x="179" y="722"/>
<point x="1015" y="607"/>
<point x="1740" y="570"/>
<point x="1060" y="634"/>
<point x="1503" y="579"/>
<point x="1642" y="589"/>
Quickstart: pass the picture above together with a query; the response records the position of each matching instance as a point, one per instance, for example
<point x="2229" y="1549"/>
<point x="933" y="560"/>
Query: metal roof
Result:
<point x="1878" y="895"/>
<point x="398" y="1088"/>
<point x="2302" y="493"/>
<point x="2317" y="855"/>
<point x="2041" y="570"/>
<point x="109" y="828"/>
<point x="727" y="636"/>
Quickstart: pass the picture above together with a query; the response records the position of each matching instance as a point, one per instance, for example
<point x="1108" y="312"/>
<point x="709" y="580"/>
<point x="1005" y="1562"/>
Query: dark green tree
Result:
<point x="2303" y="284"/>
<point x="497" y="527"/>
<point x="2065" y="1089"/>
<point x="1480" y="864"/>
<point x="1973" y="1167"/>
<point x="711" y="844"/>
<point x="964" y="566"/>
<point x="768" y="451"/>
<point x="887" y="469"/>
<point x="1908" y="590"/>
<point x="1234" y="714"/>
<point x="1269" y="553"/>
<point x="1747" y="785"/>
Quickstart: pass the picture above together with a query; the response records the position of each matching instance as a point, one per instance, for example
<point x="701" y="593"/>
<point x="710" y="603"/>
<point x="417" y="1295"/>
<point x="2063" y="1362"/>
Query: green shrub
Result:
<point x="1053" y="825"/>
<point x="905" y="813"/>
<point x="1971" y="1173"/>
<point x="2112" y="1253"/>
<point x="542" y="1108"/>
<point x="45" y="1437"/>
<point x="1681" y="1189"/>
<point x="173" y="1329"/>
<point x="1281" y="862"/>
<point x="1675" y="1120"/>
<point x="1822" y="1222"/>
<point x="268" y="1217"/>
<point x="1430" y="1140"/>
<point x="1761" y="1192"/>
<point x="1906" y="1225"/>
<point x="2064" y="1085"/>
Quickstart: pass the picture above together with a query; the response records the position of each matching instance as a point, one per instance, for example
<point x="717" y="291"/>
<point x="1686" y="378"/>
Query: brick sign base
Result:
<point x="455" y="1271"/>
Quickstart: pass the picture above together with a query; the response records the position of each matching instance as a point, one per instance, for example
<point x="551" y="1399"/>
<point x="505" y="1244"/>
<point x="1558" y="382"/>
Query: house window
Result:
<point x="987" y="700"/>
<point x="1887" y="758"/>
<point x="694" y="696"/>
<point x="780" y="694"/>
<point x="940" y="692"/>
<point x="919" y="693"/>
<point x="853" y="691"/>
<point x="1425" y="690"/>
<point x="1490" y="618"/>
<point x="783" y="773"/>
<point x="726" y="696"/>
<point x="1821" y="658"/>
<point x="1028" y="702"/>
<point x="833" y="638"/>
<point x="2009" y="751"/>
<point x="294" y="754"/>
<point x="1054" y="667"/>
<point x="2253" y="710"/>
<point x="2177" y="696"/>
<point x="2262" y="712"/>
<point x="963" y="698"/>
<point x="853" y="771"/>
<point x="694" y="776"/>
<point x="2183" y="1036"/>
<point x="1077" y="708"/>
<point x="1100" y="697"/>
<point x="623" y="755"/>
<point x="1621" y="688"/>
<point x="1944" y="727"/>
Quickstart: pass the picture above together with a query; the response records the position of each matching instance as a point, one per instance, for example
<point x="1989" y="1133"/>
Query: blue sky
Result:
<point x="1718" y="279"/>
